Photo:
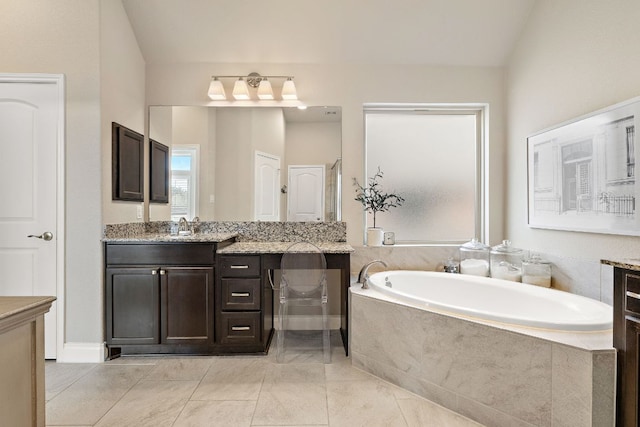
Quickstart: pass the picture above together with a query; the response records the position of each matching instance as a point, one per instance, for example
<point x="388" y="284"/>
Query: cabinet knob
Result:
<point x="163" y="272"/>
<point x="154" y="272"/>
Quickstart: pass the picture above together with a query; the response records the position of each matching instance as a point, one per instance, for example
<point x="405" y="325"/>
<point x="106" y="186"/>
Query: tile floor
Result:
<point x="232" y="391"/>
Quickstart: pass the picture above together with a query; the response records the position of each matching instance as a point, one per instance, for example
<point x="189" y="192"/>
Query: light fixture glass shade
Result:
<point x="264" y="90"/>
<point x="289" y="90"/>
<point x="216" y="90"/>
<point x="240" y="90"/>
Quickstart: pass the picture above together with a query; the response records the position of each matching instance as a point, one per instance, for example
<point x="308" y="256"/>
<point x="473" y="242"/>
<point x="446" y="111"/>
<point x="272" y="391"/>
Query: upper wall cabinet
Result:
<point x="127" y="164"/>
<point x="158" y="172"/>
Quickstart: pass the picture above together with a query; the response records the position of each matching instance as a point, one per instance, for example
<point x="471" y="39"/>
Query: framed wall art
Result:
<point x="581" y="174"/>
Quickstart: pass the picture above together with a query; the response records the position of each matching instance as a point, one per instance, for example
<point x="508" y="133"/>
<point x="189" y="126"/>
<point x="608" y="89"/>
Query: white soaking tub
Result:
<point x="497" y="300"/>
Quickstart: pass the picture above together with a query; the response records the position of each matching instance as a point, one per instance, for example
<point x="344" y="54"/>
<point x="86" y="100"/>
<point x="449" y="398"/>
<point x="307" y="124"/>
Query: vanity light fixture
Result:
<point x="216" y="90"/>
<point x="241" y="87"/>
<point x="289" y="90"/>
<point x="240" y="90"/>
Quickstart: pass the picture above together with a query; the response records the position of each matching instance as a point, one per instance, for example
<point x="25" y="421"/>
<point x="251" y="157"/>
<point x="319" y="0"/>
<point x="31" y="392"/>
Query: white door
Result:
<point x="305" y="196"/>
<point x="31" y="117"/>
<point x="267" y="187"/>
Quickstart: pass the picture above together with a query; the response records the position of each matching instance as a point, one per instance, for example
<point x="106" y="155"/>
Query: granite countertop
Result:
<point x="281" y="247"/>
<point x="628" y="263"/>
<point x="163" y="238"/>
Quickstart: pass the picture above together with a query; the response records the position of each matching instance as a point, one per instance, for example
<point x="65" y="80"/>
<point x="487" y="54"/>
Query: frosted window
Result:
<point x="430" y="159"/>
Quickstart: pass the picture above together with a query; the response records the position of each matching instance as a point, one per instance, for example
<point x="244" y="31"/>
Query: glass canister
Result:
<point x="474" y="258"/>
<point x="506" y="262"/>
<point x="536" y="271"/>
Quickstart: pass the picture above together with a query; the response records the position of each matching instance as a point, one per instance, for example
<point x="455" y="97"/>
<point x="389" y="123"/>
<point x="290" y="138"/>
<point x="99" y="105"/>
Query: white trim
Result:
<point x="81" y="352"/>
<point x="59" y="81"/>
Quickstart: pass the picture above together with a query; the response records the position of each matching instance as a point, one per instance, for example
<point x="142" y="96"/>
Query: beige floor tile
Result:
<point x="422" y="413"/>
<point x="90" y="397"/>
<point x="363" y="403"/>
<point x="150" y="403"/>
<point x="232" y="379"/>
<point x="287" y="403"/>
<point x="180" y="368"/>
<point x="216" y="414"/>
<point x="59" y="376"/>
<point x="295" y="373"/>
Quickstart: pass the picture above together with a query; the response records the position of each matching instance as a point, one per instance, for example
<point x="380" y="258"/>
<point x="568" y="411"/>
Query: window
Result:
<point x="433" y="157"/>
<point x="184" y="179"/>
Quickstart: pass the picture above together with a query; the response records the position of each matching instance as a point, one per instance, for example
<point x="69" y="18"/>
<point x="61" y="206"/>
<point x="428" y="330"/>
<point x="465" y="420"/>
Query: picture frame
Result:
<point x="581" y="173"/>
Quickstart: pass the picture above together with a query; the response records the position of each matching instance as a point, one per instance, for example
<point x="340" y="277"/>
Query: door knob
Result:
<point x="47" y="235"/>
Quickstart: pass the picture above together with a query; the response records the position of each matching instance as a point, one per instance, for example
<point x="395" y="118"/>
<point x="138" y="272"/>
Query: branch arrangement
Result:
<point x="372" y="197"/>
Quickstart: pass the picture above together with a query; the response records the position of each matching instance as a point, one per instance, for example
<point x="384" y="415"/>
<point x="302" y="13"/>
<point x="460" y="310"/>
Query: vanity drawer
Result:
<point x="240" y="328"/>
<point x="239" y="266"/>
<point x="240" y="294"/>
<point x="632" y="293"/>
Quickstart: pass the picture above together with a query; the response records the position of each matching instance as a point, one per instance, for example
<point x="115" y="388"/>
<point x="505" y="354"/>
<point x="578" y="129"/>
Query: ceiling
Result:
<point x="437" y="32"/>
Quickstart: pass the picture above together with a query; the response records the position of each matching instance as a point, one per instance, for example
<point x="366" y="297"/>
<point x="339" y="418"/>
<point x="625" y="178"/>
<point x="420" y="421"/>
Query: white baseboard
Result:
<point x="80" y="352"/>
<point x="305" y="322"/>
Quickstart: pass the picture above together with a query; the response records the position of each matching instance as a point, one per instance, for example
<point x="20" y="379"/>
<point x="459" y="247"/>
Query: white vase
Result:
<point x="375" y="236"/>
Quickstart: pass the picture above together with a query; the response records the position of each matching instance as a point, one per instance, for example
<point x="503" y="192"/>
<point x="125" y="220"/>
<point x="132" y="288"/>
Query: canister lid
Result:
<point x="506" y="248"/>
<point x="475" y="245"/>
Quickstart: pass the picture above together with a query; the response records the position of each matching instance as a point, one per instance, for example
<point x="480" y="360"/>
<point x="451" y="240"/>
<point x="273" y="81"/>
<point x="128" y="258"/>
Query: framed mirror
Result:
<point x="250" y="163"/>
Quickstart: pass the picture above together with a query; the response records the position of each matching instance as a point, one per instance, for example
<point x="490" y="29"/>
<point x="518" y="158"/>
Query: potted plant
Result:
<point x="374" y="200"/>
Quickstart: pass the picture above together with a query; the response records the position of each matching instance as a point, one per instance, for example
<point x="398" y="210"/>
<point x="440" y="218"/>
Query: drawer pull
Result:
<point x="240" y="294"/>
<point x="241" y="328"/>
<point x="633" y="295"/>
<point x="236" y="267"/>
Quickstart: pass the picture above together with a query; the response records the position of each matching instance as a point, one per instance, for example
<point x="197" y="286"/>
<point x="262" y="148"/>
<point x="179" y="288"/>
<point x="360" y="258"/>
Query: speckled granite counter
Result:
<point x="628" y="263"/>
<point x="281" y="247"/>
<point x="164" y="238"/>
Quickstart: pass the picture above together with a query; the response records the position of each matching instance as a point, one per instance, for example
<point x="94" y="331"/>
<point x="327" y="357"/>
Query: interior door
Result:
<point x="267" y="187"/>
<point x="29" y="136"/>
<point x="305" y="196"/>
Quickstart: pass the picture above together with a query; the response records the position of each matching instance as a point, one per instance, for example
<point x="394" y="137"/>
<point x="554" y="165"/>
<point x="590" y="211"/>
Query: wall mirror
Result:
<point x="250" y="163"/>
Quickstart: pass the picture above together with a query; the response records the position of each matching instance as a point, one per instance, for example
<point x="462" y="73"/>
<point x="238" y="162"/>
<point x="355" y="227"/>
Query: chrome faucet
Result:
<point x="364" y="276"/>
<point x="183" y="226"/>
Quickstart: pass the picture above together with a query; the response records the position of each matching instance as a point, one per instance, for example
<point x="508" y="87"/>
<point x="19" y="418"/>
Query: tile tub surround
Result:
<point x="496" y="375"/>
<point x="255" y="231"/>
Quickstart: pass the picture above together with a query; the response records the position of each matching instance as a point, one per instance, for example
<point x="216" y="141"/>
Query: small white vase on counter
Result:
<point x="375" y="236"/>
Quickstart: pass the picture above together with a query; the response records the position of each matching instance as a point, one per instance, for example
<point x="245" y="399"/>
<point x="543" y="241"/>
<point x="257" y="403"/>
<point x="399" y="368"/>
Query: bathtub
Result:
<point x="496" y="300"/>
<point x="501" y="353"/>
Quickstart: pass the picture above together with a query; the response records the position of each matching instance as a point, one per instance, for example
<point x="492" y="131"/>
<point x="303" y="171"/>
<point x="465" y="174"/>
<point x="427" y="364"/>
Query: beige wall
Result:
<point x="350" y="86"/>
<point x="38" y="36"/>
<point x="574" y="57"/>
<point x="122" y="79"/>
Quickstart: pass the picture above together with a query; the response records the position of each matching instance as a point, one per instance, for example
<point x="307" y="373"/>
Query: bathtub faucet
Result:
<point x="364" y="276"/>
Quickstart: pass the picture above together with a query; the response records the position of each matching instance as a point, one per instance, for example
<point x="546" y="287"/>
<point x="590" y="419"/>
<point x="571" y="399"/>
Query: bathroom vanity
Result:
<point x="626" y="339"/>
<point x="200" y="294"/>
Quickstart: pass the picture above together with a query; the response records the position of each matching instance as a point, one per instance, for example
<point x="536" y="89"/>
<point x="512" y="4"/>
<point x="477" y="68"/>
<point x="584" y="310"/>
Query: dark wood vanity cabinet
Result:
<point x="244" y="307"/>
<point x="159" y="298"/>
<point x="626" y="334"/>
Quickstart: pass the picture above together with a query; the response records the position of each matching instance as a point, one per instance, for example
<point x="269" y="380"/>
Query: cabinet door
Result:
<point x="132" y="306"/>
<point x="187" y="305"/>
<point x="629" y="404"/>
